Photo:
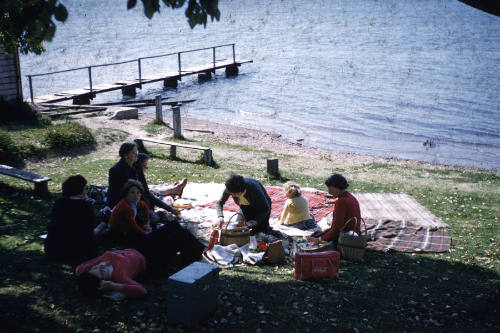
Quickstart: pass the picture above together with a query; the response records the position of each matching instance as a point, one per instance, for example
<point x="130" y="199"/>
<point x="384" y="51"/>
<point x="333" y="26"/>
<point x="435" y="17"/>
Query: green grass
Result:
<point x="456" y="291"/>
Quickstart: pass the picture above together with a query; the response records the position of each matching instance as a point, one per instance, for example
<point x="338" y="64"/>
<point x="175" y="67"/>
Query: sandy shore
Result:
<point x="199" y="129"/>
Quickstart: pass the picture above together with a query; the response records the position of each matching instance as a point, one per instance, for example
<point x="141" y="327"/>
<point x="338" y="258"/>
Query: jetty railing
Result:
<point x="138" y="60"/>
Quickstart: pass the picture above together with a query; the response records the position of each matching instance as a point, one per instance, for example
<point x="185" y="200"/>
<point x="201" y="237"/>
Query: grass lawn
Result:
<point x="387" y="292"/>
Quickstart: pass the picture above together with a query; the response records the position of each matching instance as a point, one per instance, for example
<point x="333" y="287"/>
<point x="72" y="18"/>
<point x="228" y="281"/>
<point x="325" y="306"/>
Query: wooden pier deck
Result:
<point x="128" y="87"/>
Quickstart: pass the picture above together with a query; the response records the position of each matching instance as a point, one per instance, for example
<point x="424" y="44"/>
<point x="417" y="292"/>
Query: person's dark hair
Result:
<point x="132" y="183"/>
<point x="89" y="284"/>
<point x="337" y="180"/>
<point x="126" y="148"/>
<point x="74" y="185"/>
<point x="235" y="183"/>
<point x="141" y="158"/>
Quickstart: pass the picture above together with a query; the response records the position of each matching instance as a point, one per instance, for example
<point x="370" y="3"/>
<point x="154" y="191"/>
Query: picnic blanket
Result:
<point x="320" y="203"/>
<point x="395" y="221"/>
<point x="405" y="236"/>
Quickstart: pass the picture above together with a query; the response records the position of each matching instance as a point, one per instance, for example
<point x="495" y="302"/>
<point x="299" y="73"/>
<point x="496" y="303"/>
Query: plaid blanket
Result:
<point x="320" y="203"/>
<point x="404" y="236"/>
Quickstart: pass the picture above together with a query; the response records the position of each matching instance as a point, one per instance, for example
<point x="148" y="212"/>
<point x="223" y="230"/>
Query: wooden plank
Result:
<point x="22" y="174"/>
<point x="76" y="92"/>
<point x="67" y="113"/>
<point x="174" y="144"/>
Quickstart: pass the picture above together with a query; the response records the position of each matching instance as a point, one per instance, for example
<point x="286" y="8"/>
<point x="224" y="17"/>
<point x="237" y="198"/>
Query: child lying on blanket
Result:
<point x="296" y="210"/>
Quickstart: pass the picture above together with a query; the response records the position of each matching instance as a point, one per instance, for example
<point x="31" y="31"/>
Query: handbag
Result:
<point x="239" y="236"/>
<point x="317" y="265"/>
<point x="274" y="253"/>
<point x="352" y="247"/>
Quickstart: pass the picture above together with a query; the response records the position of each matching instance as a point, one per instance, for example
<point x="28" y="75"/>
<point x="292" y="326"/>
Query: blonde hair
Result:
<point x="292" y="189"/>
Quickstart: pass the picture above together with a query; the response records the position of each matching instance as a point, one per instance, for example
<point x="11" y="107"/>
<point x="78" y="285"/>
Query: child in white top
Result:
<point x="296" y="211"/>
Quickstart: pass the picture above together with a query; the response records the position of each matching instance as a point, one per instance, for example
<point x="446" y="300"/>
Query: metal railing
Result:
<point x="138" y="60"/>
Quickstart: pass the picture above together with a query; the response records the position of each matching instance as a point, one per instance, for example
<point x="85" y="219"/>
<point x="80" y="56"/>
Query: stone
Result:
<point x="119" y="113"/>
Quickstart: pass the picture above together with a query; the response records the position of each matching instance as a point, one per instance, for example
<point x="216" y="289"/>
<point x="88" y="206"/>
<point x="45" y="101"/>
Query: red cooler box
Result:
<point x="316" y="265"/>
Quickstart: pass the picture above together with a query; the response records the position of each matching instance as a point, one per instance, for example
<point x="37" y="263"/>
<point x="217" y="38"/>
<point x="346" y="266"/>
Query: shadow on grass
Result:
<point x="387" y="292"/>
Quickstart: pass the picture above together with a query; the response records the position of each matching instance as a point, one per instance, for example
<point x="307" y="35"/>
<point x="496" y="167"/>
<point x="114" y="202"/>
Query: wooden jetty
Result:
<point x="128" y="87"/>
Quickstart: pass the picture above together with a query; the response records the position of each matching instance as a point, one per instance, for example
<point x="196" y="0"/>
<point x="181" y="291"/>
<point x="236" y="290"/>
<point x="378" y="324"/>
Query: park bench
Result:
<point x="207" y="152"/>
<point x="41" y="182"/>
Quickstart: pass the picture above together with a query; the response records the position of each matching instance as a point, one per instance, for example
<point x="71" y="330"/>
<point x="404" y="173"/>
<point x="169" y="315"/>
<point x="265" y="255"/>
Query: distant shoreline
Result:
<point x="258" y="139"/>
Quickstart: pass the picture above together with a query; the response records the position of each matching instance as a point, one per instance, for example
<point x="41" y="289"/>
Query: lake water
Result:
<point x="409" y="79"/>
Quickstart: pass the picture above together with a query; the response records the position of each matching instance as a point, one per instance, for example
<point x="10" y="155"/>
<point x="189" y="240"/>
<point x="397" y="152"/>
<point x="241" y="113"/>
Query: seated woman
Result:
<point x="296" y="210"/>
<point x="140" y="166"/>
<point x="346" y="207"/>
<point x="254" y="202"/>
<point x="121" y="172"/>
<point x="113" y="271"/>
<point x="72" y="225"/>
<point x="130" y="220"/>
<point x="130" y="217"/>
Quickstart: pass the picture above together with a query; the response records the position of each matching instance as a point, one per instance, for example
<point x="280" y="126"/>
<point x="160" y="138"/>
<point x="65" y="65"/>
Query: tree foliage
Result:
<point x="27" y="24"/>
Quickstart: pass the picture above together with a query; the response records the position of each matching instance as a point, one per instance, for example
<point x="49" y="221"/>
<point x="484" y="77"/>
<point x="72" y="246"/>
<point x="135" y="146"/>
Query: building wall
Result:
<point x="10" y="76"/>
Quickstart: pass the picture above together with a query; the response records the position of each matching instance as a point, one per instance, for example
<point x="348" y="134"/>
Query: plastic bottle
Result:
<point x="214" y="239"/>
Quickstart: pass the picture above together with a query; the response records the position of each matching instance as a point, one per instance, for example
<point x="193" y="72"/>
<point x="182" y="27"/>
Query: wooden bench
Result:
<point x="41" y="182"/>
<point x="207" y="152"/>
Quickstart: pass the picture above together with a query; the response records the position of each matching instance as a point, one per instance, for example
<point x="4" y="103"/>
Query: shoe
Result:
<point x="182" y="185"/>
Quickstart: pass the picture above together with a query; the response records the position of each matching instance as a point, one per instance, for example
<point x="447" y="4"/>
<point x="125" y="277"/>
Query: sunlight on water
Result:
<point x="385" y="78"/>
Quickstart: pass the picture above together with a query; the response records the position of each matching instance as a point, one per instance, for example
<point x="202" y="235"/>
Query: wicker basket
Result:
<point x="238" y="236"/>
<point x="352" y="247"/>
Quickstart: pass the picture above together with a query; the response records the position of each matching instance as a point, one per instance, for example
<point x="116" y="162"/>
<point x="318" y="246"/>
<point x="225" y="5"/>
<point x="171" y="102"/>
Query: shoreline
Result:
<point x="256" y="139"/>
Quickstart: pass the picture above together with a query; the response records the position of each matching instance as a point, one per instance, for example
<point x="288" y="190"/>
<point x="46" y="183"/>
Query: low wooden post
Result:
<point x="129" y="91"/>
<point x="207" y="156"/>
<point x="170" y="83"/>
<point x="173" y="152"/>
<point x="205" y="76"/>
<point x="231" y="70"/>
<point x="42" y="189"/>
<point x="272" y="167"/>
<point x="176" y="119"/>
<point x="159" y="112"/>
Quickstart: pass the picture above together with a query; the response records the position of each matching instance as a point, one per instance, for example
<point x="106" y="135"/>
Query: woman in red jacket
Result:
<point x="130" y="220"/>
<point x="346" y="207"/>
<point x="130" y="217"/>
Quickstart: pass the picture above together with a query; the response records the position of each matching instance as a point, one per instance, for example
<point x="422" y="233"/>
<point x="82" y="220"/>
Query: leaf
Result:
<point x="60" y="13"/>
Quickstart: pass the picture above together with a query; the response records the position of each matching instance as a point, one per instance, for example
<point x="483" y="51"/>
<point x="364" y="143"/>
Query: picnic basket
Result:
<point x="352" y="247"/>
<point x="239" y="236"/>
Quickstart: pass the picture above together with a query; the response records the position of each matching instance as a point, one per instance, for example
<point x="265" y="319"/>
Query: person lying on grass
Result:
<point x="113" y="271"/>
<point x="253" y="200"/>
<point x="73" y="227"/>
<point x="116" y="271"/>
<point x="296" y="210"/>
<point x="346" y="207"/>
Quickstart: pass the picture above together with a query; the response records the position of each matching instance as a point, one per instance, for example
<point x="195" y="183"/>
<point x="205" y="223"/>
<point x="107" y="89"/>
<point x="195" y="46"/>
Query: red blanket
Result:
<point x="320" y="203"/>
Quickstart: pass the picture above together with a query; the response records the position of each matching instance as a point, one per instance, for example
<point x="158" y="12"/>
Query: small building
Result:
<point x="10" y="76"/>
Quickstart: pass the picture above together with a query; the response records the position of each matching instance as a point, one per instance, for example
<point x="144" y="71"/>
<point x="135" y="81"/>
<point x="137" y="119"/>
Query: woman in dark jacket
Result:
<point x="140" y="166"/>
<point x="121" y="172"/>
<point x="254" y="202"/>
<point x="70" y="236"/>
